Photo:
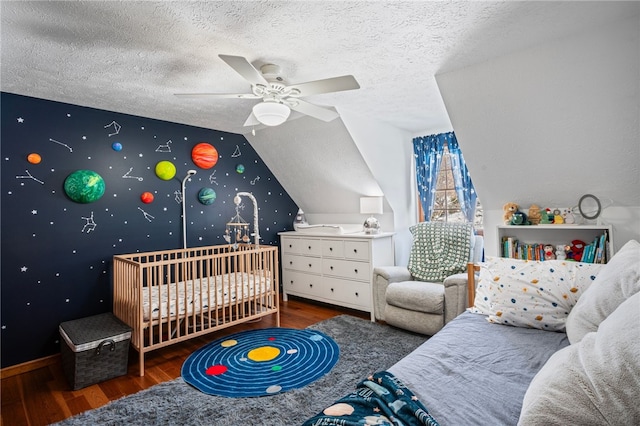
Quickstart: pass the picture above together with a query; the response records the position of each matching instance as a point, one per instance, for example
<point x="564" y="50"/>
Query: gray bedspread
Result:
<point x="476" y="373"/>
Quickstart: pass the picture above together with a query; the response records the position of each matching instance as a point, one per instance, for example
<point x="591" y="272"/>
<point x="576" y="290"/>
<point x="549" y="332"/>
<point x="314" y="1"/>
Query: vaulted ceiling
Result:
<point x="132" y="57"/>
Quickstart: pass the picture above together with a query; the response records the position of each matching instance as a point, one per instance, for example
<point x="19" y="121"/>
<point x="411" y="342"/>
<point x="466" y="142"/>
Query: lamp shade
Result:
<point x="271" y="113"/>
<point x="370" y="205"/>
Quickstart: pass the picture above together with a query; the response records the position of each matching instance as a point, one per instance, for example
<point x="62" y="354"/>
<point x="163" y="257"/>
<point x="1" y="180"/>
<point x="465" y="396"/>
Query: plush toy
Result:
<point x="560" y="252"/>
<point x="546" y="217"/>
<point x="557" y="217"/>
<point x="548" y="252"/>
<point x="509" y="209"/>
<point x="519" y="218"/>
<point x="534" y="214"/>
<point x="568" y="217"/>
<point x="575" y="250"/>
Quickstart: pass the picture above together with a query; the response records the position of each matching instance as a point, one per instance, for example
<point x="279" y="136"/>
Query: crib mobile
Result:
<point x="237" y="229"/>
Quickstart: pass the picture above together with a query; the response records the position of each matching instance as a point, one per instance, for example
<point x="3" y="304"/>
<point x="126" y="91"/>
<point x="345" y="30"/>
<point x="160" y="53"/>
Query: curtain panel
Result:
<point x="428" y="151"/>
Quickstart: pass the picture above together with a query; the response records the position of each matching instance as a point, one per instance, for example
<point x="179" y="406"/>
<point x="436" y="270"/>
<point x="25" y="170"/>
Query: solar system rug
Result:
<point x="261" y="362"/>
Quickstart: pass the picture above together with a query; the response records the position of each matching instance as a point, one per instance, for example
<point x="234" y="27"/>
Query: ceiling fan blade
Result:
<point x="315" y="111"/>
<point x="335" y="84"/>
<point x="219" y="95"/>
<point x="245" y="69"/>
<point x="251" y="120"/>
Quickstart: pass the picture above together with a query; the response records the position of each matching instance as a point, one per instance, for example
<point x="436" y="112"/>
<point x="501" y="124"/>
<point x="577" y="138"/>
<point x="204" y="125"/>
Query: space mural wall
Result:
<point x="80" y="185"/>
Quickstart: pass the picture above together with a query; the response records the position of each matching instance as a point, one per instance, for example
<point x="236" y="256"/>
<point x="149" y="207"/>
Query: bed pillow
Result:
<point x="594" y="381"/>
<point x="618" y="280"/>
<point x="533" y="294"/>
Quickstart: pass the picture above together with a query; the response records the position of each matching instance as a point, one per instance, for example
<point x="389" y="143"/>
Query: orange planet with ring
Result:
<point x="204" y="155"/>
<point x="34" y="158"/>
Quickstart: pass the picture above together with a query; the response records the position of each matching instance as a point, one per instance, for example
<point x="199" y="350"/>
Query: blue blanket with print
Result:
<point x="381" y="399"/>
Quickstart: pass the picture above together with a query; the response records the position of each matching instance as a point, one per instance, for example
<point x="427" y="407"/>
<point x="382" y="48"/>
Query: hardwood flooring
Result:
<point x="43" y="396"/>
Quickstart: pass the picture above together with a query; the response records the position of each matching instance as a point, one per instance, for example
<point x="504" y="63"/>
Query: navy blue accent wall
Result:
<point x="56" y="253"/>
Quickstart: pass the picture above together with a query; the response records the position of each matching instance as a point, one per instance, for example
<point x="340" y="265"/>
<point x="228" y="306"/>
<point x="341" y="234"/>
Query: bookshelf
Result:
<point x="554" y="235"/>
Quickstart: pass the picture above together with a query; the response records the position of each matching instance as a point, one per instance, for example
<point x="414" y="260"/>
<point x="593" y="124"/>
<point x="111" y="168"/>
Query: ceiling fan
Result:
<point x="278" y="98"/>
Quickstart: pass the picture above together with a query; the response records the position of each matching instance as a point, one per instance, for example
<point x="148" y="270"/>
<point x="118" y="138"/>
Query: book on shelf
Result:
<point x="597" y="251"/>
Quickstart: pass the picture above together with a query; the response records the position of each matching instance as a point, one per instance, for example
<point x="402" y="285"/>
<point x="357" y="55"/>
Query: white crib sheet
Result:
<point x="221" y="290"/>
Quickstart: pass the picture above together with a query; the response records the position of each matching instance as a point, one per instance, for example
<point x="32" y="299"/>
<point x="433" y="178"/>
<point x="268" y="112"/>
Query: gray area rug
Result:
<point x="365" y="348"/>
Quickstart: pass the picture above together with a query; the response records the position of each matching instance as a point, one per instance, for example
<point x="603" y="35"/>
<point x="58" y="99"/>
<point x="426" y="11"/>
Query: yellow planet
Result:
<point x="165" y="170"/>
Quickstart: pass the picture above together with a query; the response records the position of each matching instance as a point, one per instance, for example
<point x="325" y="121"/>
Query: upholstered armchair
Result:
<point x="432" y="290"/>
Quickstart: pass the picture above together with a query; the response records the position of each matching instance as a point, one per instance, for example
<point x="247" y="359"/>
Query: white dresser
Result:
<point x="335" y="269"/>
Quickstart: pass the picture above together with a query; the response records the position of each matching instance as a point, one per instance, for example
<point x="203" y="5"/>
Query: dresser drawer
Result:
<point x="357" y="250"/>
<point x="302" y="246"/>
<point x="303" y="284"/>
<point x="353" y="294"/>
<point x="333" y="248"/>
<point x="347" y="269"/>
<point x="302" y="263"/>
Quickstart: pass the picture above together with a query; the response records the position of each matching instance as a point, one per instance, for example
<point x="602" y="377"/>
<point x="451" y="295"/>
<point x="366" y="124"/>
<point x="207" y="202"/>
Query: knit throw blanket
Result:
<point x="439" y="250"/>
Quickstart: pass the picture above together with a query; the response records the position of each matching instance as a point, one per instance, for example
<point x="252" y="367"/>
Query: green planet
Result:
<point x="165" y="170"/>
<point x="84" y="186"/>
<point x="207" y="196"/>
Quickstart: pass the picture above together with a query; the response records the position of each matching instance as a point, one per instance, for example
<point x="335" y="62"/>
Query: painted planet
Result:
<point x="165" y="170"/>
<point x="84" y="186"/>
<point x="116" y="146"/>
<point x="207" y="196"/>
<point x="34" y="158"/>
<point x="204" y="155"/>
<point x="240" y="168"/>
<point x="146" y="197"/>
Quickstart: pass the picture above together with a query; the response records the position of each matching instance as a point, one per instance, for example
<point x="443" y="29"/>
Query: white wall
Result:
<point x="551" y="123"/>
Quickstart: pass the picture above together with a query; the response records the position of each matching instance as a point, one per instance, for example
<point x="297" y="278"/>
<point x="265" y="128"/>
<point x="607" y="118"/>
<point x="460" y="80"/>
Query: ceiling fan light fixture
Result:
<point x="271" y="113"/>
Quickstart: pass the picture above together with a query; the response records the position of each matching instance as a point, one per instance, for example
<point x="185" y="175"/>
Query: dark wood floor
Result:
<point x="43" y="396"/>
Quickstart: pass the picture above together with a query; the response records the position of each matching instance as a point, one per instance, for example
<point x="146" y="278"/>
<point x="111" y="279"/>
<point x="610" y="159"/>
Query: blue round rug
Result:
<point x="260" y="362"/>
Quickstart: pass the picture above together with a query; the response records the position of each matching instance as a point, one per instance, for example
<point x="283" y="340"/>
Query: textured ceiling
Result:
<point x="131" y="57"/>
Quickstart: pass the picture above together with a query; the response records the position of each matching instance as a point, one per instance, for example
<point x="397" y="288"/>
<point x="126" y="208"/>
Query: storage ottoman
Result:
<point x="94" y="349"/>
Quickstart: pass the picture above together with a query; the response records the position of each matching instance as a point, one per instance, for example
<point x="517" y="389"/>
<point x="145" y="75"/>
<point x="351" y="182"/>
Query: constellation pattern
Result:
<point x="253" y="182"/>
<point x="116" y="128"/>
<point x="212" y="178"/>
<point x="164" y="148"/>
<point x="29" y="176"/>
<point x="126" y="176"/>
<point x="90" y="225"/>
<point x="236" y="153"/>
<point x="60" y="143"/>
<point x="146" y="215"/>
<point x="178" y="196"/>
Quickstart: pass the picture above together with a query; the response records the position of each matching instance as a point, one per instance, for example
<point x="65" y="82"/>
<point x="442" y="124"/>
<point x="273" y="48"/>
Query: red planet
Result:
<point x="204" y="155"/>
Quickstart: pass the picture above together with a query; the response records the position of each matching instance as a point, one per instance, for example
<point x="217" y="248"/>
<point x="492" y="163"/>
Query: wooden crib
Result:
<point x="171" y="296"/>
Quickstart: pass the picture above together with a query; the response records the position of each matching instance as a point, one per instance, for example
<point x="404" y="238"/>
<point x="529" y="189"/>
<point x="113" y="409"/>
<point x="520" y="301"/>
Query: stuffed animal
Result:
<point x="548" y="252"/>
<point x="560" y="252"/>
<point x="519" y="218"/>
<point x="568" y="217"/>
<point x="575" y="250"/>
<point x="534" y="214"/>
<point x="509" y="209"/>
<point x="557" y="217"/>
<point x="547" y="217"/>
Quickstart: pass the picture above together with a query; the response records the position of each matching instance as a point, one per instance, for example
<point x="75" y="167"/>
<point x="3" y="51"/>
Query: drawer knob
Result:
<point x="290" y="246"/>
<point x="355" y="270"/>
<point x="309" y="265"/>
<point x="310" y="285"/>
<point x="357" y="294"/>
<point x="331" y="267"/>
<point x="309" y="247"/>
<point x="291" y="262"/>
<point x="355" y="250"/>
<point x="331" y="290"/>
<point x="330" y="248"/>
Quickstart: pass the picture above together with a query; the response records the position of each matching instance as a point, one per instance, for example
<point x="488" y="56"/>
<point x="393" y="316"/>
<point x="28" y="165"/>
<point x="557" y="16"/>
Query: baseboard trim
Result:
<point x="25" y="367"/>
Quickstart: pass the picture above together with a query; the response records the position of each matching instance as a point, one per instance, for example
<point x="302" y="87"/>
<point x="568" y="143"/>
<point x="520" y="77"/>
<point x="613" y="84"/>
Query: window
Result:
<point x="446" y="207"/>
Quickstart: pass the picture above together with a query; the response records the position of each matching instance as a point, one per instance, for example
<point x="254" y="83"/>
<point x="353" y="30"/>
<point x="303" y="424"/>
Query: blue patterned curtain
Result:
<point x="428" y="155"/>
<point x="464" y="187"/>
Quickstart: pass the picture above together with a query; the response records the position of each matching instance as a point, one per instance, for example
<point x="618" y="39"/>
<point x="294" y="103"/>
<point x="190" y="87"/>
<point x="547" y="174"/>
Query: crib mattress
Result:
<point x="194" y="296"/>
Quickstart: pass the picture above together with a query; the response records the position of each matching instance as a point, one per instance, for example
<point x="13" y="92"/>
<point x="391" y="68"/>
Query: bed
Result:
<point x="171" y="296"/>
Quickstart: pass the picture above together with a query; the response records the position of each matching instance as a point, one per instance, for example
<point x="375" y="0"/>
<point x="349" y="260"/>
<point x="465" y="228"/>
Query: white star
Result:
<point x="34" y="211"/>
<point x="20" y="120"/>
<point x="23" y="269"/>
